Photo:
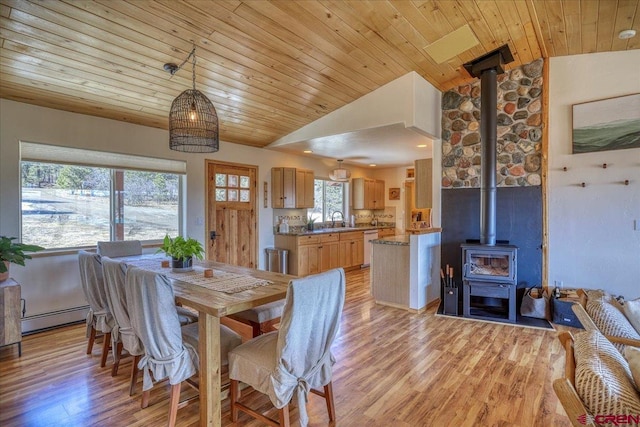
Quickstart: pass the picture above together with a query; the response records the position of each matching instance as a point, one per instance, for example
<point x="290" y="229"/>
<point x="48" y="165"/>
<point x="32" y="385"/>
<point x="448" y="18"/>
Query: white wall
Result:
<point x="52" y="283"/>
<point x="592" y="242"/>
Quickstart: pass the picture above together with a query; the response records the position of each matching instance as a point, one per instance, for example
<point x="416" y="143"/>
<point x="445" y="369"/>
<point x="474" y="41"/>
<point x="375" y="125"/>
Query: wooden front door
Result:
<point x="231" y="213"/>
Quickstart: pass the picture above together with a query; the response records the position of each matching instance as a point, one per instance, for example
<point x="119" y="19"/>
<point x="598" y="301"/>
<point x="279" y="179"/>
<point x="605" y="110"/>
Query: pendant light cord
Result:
<point x="192" y="55"/>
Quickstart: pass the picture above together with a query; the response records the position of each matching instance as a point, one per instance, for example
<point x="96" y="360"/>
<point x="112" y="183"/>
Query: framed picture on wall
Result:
<point x="607" y="124"/>
<point x="411" y="173"/>
<point x="394" y="194"/>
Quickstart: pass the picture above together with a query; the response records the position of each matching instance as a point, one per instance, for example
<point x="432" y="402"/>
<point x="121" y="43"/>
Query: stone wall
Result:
<point x="519" y="130"/>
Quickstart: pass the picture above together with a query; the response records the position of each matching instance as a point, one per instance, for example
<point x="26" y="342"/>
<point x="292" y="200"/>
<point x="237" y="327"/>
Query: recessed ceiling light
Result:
<point x="373" y="165"/>
<point x="626" y="34"/>
<point x="422" y="145"/>
<point x="307" y="151"/>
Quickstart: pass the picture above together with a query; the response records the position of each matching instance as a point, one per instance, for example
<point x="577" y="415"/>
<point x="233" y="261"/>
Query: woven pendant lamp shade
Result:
<point x="193" y="123"/>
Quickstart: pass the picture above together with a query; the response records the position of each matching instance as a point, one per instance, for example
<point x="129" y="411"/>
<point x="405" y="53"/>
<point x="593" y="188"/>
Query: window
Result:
<point x="74" y="205"/>
<point x="329" y="198"/>
<point x="232" y="188"/>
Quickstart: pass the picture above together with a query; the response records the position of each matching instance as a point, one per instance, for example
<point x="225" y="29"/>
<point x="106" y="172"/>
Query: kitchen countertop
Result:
<point x="401" y="240"/>
<point x="423" y="230"/>
<point x="335" y="230"/>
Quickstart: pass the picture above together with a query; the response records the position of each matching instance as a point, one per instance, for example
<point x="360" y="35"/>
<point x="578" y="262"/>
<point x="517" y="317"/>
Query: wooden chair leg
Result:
<point x="92" y="338"/>
<point x="118" y="356"/>
<point x="174" y="400"/>
<point x="105" y="349"/>
<point x="284" y="416"/>
<point x="233" y="392"/>
<point x="134" y="375"/>
<point x="328" y="395"/>
<point x="145" y="399"/>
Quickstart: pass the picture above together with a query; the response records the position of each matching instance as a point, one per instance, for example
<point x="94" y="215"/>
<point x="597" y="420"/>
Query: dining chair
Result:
<point x="122" y="334"/>
<point x="297" y="358"/>
<point x="170" y="351"/>
<point x="99" y="318"/>
<point x="261" y="319"/>
<point x="120" y="248"/>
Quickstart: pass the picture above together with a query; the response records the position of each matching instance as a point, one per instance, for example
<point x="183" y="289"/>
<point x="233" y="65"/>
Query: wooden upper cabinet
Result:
<point x="305" y="188"/>
<point x="368" y="193"/>
<point x="423" y="184"/>
<point x="292" y="188"/>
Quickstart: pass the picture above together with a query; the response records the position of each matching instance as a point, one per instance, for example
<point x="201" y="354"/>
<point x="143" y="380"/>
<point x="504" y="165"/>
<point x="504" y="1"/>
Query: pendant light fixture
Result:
<point x="340" y="174"/>
<point x="193" y="122"/>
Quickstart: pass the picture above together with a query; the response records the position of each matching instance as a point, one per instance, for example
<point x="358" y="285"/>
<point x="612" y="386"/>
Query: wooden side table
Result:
<point x="10" y="302"/>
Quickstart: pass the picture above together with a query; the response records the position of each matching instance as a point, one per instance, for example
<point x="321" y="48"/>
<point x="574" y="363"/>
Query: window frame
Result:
<point x="38" y="154"/>
<point x="345" y="205"/>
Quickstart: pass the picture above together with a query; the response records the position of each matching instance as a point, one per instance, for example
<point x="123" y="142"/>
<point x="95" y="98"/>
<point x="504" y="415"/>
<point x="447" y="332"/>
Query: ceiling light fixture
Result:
<point x="193" y="122"/>
<point x="308" y="151"/>
<point x="422" y="146"/>
<point x="340" y="174"/>
<point x="373" y="165"/>
<point x="626" y="34"/>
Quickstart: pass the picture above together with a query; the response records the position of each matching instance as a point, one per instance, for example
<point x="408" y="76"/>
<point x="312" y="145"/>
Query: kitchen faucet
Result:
<point x="333" y="220"/>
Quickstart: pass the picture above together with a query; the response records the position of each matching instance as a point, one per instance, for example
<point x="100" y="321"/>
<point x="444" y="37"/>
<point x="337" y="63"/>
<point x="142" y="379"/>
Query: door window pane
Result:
<point x="244" y="195"/>
<point x="221" y="195"/>
<point x="221" y="180"/>
<point x="244" y="182"/>
<point x="233" y="180"/>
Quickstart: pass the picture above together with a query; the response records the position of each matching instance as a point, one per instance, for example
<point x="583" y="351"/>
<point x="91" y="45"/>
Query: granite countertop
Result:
<point x="400" y="240"/>
<point x="335" y="230"/>
<point x="423" y="230"/>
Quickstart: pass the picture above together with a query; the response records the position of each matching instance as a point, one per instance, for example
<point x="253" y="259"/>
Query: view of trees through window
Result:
<point x="70" y="206"/>
<point x="329" y="198"/>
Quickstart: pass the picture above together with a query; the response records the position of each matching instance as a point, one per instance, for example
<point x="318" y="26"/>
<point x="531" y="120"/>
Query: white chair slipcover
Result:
<point x="99" y="316"/>
<point x="120" y="248"/>
<point x="155" y="320"/>
<point x="114" y="276"/>
<point x="297" y="357"/>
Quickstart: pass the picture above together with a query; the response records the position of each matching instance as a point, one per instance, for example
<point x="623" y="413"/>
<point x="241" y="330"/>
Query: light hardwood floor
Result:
<point x="394" y="368"/>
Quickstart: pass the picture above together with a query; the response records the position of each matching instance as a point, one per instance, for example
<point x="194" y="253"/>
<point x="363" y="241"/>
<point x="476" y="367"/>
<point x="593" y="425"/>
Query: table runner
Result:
<point x="221" y="281"/>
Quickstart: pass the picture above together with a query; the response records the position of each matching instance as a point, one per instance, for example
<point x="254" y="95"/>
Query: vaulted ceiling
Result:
<point x="270" y="67"/>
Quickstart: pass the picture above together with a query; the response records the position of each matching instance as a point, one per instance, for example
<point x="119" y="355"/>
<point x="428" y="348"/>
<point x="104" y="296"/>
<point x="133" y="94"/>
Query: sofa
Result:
<point x="602" y="365"/>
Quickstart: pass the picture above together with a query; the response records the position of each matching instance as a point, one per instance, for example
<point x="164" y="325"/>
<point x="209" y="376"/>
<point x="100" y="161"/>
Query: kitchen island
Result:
<point x="405" y="269"/>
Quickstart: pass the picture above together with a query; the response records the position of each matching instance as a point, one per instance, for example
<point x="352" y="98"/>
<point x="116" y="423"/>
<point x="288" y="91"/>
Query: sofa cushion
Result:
<point x="603" y="378"/>
<point x="611" y="321"/>
<point x="632" y="354"/>
<point x="632" y="311"/>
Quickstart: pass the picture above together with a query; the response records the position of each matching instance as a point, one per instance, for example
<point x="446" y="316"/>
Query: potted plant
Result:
<point x="13" y="252"/>
<point x="182" y="251"/>
<point x="310" y="221"/>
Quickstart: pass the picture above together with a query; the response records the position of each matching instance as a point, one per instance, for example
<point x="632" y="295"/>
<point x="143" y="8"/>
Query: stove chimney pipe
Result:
<point x="487" y="67"/>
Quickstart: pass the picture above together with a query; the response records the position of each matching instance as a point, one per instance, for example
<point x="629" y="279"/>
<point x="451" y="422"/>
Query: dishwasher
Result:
<point x="369" y="235"/>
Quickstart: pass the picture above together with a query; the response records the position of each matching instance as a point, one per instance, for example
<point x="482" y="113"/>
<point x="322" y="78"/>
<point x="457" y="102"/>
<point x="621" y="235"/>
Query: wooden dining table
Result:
<point x="212" y="305"/>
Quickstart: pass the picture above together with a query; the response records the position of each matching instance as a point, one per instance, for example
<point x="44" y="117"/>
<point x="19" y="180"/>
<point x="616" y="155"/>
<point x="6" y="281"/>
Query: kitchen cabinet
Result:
<point x="423" y="183"/>
<point x="351" y="249"/>
<point x="368" y="193"/>
<point x="311" y="254"/>
<point x="305" y="188"/>
<point x="384" y="232"/>
<point x="11" y="327"/>
<point x="292" y="188"/>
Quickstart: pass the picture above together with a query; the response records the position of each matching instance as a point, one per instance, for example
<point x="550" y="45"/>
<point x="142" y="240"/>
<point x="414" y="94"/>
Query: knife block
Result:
<point x="450" y="301"/>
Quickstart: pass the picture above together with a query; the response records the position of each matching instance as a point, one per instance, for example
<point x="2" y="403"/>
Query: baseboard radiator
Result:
<point x="38" y="322"/>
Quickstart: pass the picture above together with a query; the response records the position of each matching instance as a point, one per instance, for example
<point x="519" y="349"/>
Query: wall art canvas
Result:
<point x="607" y="124"/>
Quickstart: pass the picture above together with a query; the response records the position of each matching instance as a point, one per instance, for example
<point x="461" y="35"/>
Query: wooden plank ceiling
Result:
<point x="271" y="67"/>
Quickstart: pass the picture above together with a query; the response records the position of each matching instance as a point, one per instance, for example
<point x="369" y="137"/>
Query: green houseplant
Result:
<point x="13" y="252"/>
<point x="182" y="251"/>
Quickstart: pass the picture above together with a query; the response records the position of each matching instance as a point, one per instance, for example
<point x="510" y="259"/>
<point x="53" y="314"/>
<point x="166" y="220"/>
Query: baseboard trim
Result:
<point x="44" y="321"/>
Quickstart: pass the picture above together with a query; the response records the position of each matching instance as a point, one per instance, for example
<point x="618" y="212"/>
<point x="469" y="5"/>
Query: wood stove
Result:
<point x="489" y="274"/>
<point x="489" y="279"/>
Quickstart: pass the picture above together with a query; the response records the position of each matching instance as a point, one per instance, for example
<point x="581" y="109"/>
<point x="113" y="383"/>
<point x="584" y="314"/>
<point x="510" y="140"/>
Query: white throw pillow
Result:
<point x="632" y="311"/>
<point x="632" y="354"/>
